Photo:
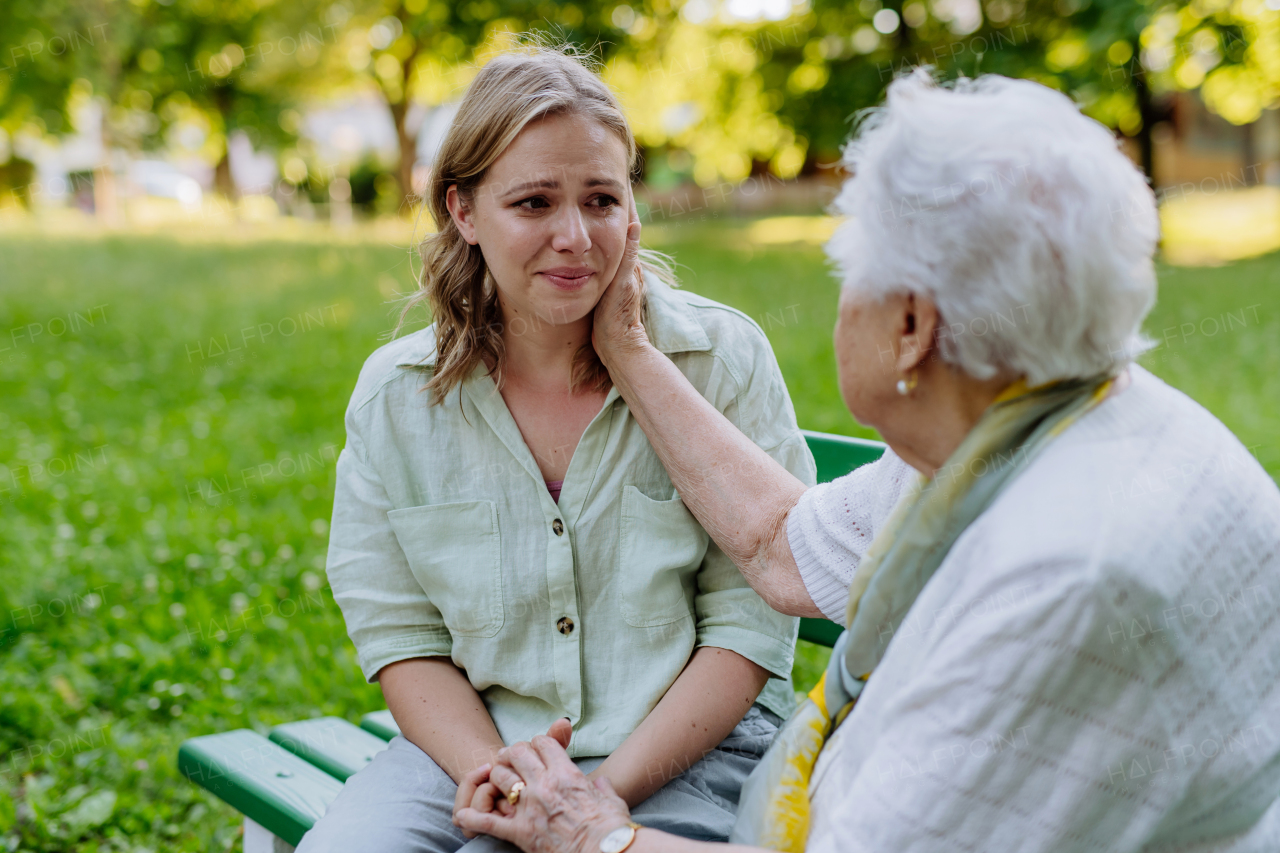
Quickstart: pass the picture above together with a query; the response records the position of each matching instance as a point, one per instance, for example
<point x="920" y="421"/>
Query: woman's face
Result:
<point x="551" y="218"/>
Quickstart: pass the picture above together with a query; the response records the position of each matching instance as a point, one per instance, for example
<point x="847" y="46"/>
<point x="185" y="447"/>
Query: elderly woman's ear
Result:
<point x="917" y="322"/>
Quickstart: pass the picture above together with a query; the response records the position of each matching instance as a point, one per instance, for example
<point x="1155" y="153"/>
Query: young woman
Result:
<point x="506" y="547"/>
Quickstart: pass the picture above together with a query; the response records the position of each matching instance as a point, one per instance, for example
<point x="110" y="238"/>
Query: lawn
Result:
<point x="171" y="414"/>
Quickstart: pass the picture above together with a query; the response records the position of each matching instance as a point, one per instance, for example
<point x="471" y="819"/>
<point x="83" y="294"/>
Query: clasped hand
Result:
<point x="559" y="809"/>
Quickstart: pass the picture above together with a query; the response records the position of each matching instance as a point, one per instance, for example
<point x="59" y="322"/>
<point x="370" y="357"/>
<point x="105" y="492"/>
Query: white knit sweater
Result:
<point x="1095" y="666"/>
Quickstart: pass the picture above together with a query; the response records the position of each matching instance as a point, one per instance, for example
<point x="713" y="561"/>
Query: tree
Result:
<point x="238" y="62"/>
<point x="1090" y="49"/>
<point x="413" y="51"/>
<point x="63" y="52"/>
<point x="697" y="87"/>
<point x="1229" y="49"/>
<point x="152" y="66"/>
<point x="39" y="49"/>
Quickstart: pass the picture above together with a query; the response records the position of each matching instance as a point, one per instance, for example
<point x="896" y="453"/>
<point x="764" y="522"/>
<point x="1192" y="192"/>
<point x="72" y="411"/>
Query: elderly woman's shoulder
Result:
<point x="1147" y="486"/>
<point x="1179" y="446"/>
<point x="1146" y="519"/>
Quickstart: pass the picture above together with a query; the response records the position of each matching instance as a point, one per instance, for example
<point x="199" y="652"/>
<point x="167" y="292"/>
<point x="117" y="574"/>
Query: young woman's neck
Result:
<point x="540" y="353"/>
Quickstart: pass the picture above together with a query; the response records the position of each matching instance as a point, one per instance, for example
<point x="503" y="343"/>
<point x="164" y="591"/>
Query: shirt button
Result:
<point x="565" y="625"/>
<point x="557" y="527"/>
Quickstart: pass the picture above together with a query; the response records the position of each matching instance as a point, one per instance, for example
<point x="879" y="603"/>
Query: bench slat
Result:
<point x="837" y="455"/>
<point x="819" y="631"/>
<point x="380" y="723"/>
<point x="262" y="781"/>
<point x="330" y="743"/>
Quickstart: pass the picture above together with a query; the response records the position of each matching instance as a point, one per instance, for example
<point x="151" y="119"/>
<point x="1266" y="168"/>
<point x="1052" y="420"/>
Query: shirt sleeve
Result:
<point x="832" y="526"/>
<point x="1007" y="736"/>
<point x="388" y="615"/>
<point x="730" y="615"/>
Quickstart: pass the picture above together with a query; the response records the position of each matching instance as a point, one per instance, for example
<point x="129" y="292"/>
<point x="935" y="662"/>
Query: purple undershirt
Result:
<point x="554" y="486"/>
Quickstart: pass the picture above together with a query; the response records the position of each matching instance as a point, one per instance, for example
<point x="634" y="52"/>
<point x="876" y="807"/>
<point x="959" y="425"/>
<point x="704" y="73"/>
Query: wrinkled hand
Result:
<point x="560" y="810"/>
<point x="485" y="788"/>
<point x="617" y="326"/>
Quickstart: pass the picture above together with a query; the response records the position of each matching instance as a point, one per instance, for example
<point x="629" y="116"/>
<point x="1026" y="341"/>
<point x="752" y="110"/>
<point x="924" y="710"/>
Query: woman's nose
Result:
<point x="570" y="232"/>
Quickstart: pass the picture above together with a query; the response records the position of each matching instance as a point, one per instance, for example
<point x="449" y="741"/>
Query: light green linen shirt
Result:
<point x="446" y="542"/>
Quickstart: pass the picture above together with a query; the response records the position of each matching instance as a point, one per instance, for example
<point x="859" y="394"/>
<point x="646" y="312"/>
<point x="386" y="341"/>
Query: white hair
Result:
<point x="1019" y="217"/>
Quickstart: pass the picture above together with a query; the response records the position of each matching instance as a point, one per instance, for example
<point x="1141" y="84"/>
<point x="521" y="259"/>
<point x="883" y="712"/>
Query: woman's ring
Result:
<point x="513" y="796"/>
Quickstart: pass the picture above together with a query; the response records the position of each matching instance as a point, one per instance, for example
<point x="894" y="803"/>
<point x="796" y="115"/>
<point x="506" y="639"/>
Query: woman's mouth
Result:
<point x="568" y="278"/>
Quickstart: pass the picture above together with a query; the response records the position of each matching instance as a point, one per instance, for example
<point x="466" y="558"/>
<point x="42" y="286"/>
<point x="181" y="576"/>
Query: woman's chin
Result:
<point x="563" y="309"/>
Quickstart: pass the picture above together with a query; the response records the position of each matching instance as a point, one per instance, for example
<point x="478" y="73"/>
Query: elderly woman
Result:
<point x="1059" y="584"/>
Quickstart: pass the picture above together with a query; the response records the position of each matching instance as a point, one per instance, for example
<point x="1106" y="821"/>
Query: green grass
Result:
<point x="164" y="503"/>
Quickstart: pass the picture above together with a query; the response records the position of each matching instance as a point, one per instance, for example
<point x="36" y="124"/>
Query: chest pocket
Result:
<point x="661" y="546"/>
<point x="454" y="551"/>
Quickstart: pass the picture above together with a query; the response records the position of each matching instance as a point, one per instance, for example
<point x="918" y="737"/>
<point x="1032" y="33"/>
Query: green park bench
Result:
<point x="283" y="782"/>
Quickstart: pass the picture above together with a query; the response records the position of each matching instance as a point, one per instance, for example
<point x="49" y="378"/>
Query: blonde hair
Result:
<point x="526" y="84"/>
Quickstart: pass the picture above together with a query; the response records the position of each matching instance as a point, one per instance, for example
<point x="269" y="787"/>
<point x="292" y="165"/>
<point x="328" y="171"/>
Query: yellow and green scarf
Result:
<point x="773" y="811"/>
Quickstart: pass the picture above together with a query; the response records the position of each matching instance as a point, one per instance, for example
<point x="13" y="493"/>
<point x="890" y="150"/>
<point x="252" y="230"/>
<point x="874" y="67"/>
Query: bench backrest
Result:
<point x="836" y="456"/>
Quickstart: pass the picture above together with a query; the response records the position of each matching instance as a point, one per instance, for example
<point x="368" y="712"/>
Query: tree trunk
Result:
<point x="223" y="181"/>
<point x="105" y="198"/>
<point x="1147" y="113"/>
<point x="1249" y="154"/>
<point x="406" y="137"/>
<point x="408" y="141"/>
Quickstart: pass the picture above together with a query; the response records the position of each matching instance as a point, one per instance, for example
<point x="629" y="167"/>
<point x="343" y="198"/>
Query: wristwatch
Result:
<point x="620" y="839"/>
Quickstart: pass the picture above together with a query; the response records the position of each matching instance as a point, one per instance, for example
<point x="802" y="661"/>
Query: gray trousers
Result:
<point x="402" y="802"/>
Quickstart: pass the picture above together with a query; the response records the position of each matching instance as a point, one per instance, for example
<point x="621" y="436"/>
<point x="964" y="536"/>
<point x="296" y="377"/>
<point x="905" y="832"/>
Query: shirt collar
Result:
<point x="671" y="323"/>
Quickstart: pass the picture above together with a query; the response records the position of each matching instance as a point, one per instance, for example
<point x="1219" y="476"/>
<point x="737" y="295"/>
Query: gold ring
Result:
<point x="513" y="796"/>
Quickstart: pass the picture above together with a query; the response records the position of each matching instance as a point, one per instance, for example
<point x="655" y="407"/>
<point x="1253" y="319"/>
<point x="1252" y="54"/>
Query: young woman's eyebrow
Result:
<point x="526" y="186"/>
<point x="551" y="184"/>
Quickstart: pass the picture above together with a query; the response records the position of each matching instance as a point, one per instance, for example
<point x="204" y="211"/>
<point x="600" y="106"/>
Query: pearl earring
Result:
<point x="906" y="386"/>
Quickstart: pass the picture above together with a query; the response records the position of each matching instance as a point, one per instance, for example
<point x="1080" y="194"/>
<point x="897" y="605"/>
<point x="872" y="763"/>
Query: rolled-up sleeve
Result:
<point x="730" y="614"/>
<point x="832" y="526"/>
<point x="388" y="615"/>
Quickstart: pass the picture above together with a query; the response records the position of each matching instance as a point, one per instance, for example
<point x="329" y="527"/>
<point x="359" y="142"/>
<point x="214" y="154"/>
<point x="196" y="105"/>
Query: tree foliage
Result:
<point x="710" y="96"/>
<point x="1229" y="49"/>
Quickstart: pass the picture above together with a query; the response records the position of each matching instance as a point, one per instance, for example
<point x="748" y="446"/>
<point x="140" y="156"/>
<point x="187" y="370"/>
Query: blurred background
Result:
<point x="146" y="112"/>
<point x="207" y="218"/>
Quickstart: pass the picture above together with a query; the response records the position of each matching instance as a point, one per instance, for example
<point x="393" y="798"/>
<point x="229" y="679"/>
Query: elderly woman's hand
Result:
<point x="485" y="788"/>
<point x="617" y="323"/>
<point x="559" y="810"/>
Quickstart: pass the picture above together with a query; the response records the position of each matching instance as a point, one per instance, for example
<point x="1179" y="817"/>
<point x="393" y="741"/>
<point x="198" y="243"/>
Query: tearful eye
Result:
<point x="605" y="201"/>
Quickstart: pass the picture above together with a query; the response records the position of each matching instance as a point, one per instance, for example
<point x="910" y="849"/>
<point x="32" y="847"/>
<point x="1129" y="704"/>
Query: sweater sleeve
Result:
<point x="833" y="525"/>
